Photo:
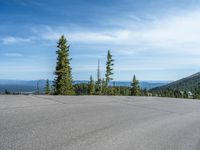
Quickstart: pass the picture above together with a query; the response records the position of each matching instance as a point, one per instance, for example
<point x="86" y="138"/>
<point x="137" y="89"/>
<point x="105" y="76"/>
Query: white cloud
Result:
<point x="180" y="33"/>
<point x="13" y="40"/>
<point x="12" y="54"/>
<point x="82" y="36"/>
<point x="174" y="34"/>
<point x="170" y="42"/>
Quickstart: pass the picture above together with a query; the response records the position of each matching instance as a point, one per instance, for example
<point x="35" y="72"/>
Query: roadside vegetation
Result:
<point x="188" y="87"/>
<point x="63" y="83"/>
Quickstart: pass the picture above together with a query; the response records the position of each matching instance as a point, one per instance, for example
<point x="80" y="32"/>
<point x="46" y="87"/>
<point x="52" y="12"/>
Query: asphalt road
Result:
<point x="98" y="123"/>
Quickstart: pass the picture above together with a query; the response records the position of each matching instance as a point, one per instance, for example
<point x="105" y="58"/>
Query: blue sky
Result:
<point x="156" y="40"/>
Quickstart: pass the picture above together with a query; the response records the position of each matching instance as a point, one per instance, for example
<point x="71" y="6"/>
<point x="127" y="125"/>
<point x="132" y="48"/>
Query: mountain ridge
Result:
<point x="188" y="83"/>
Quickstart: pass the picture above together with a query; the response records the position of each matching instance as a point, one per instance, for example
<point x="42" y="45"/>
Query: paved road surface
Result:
<point x="98" y="123"/>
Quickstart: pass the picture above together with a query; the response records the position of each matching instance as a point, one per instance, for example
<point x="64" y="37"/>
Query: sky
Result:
<point x="154" y="39"/>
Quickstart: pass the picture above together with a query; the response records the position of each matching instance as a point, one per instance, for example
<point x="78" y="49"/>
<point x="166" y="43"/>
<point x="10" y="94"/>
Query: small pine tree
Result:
<point x="145" y="91"/>
<point x="135" y="90"/>
<point x="63" y="84"/>
<point x="104" y="87"/>
<point x="47" y="88"/>
<point x="91" y="87"/>
<point x="196" y="93"/>
<point x="185" y="94"/>
<point x="7" y="92"/>
<point x="81" y="89"/>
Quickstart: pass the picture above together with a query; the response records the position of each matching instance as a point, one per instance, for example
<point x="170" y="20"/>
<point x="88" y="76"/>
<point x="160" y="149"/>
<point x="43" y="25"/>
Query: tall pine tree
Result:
<point x="109" y="68"/>
<point x="98" y="85"/>
<point x="135" y="88"/>
<point x="63" y="83"/>
<point x="109" y="72"/>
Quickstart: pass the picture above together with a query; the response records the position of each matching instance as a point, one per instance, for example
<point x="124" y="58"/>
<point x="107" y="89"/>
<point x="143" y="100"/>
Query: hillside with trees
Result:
<point x="186" y="87"/>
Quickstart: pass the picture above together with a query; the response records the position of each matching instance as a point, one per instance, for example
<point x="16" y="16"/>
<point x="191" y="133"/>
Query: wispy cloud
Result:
<point x="28" y="3"/>
<point x="82" y="36"/>
<point x="170" y="42"/>
<point x="12" y="54"/>
<point x="173" y="33"/>
<point x="13" y="40"/>
<point x="140" y="37"/>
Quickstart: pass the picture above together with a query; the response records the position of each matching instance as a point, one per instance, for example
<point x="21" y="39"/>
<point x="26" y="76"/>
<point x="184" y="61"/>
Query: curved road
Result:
<point x="98" y="123"/>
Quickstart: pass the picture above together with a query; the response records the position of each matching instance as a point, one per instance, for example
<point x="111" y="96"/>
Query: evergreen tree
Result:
<point x="81" y="89"/>
<point x="63" y="83"/>
<point x="108" y="74"/>
<point x="38" y="87"/>
<point x="177" y="93"/>
<point x="47" y="88"/>
<point x="7" y="92"/>
<point x="104" y="87"/>
<point x="109" y="68"/>
<point x="185" y="94"/>
<point x="196" y="92"/>
<point x="145" y="91"/>
<point x="135" y="89"/>
<point x="91" y="87"/>
<point x="98" y="84"/>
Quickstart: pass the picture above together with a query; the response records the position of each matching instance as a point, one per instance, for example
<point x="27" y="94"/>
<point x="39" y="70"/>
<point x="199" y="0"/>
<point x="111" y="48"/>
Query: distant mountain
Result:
<point x="22" y="82"/>
<point x="21" y="85"/>
<point x="186" y="84"/>
<point x="150" y="85"/>
<point x="31" y="85"/>
<point x="18" y="88"/>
